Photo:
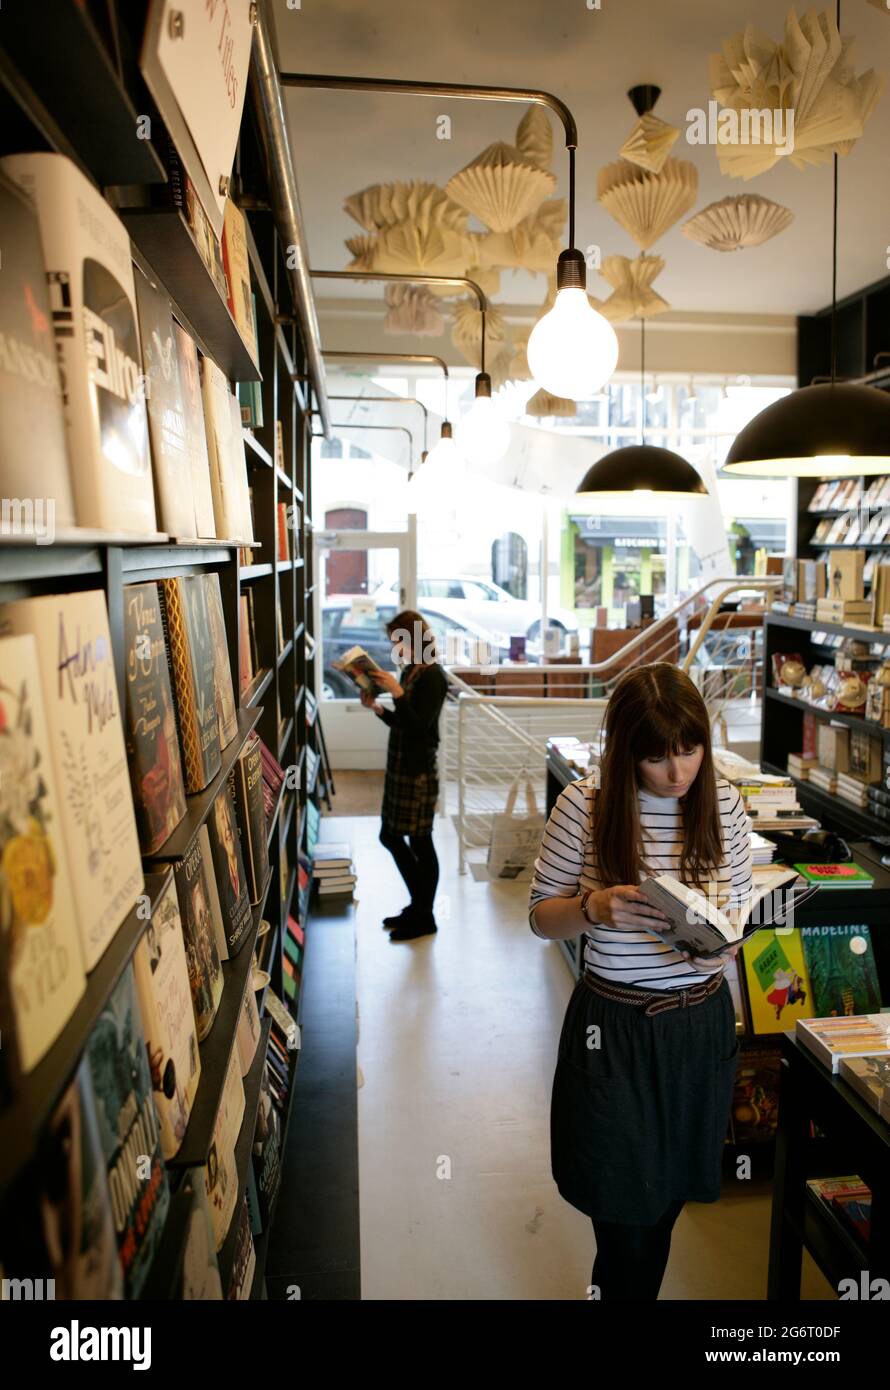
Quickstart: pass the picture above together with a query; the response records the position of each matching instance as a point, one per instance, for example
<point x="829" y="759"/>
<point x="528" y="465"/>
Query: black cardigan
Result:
<point x="416" y="715"/>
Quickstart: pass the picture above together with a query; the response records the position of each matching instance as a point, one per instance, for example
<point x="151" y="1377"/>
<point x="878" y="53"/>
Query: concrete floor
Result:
<point x="457" y="1042"/>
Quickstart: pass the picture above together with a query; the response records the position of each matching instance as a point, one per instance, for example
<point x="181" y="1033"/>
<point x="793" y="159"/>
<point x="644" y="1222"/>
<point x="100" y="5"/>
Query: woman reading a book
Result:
<point x="647" y="1056"/>
<point x="411" y="786"/>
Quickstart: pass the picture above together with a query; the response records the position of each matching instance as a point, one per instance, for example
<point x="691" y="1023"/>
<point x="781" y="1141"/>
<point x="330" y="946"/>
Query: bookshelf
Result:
<point x="79" y="94"/>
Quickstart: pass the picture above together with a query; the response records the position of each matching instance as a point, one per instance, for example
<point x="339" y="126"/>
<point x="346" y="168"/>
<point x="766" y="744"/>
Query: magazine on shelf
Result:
<point x="361" y="668"/>
<point x="697" y="925"/>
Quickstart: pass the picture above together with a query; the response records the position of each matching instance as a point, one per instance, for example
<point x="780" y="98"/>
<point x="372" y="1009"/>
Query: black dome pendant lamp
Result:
<point x="642" y="467"/>
<point x="834" y="430"/>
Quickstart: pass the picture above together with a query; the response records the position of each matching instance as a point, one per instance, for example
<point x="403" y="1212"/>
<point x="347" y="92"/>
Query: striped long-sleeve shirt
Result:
<point x="565" y="867"/>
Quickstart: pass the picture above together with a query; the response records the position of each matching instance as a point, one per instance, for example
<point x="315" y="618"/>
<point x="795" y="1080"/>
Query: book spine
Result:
<point x="176" y="642"/>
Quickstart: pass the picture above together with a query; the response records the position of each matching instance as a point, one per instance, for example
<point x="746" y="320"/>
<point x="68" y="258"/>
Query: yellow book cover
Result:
<point x="779" y="989"/>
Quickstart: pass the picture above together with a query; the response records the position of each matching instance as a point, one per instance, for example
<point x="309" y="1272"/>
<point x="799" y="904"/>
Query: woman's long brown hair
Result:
<point x="654" y="711"/>
<point x="413" y="628"/>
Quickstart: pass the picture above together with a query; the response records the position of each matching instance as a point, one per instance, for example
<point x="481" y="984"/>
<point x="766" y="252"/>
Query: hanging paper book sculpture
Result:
<point x="737" y="222"/>
<point x="647" y="205"/>
<point x="501" y="186"/>
<point x="412" y="309"/>
<point x="534" y="137"/>
<point x="631" y="281"/>
<point x="649" y="143"/>
<point x="543" y="406"/>
<point x="798" y="98"/>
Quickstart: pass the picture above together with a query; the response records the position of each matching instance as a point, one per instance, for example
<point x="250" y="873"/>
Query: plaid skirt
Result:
<point x="641" y="1105"/>
<point x="409" y="798"/>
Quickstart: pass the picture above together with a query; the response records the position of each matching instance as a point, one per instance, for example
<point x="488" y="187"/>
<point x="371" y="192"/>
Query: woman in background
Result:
<point x="648" y="1052"/>
<point x="411" y="786"/>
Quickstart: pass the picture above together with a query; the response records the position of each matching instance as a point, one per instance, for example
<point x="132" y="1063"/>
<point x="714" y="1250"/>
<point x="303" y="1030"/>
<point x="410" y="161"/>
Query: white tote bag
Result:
<point x="515" y="839"/>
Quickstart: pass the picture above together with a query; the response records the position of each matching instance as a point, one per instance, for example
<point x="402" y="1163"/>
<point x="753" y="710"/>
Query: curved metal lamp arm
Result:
<point x="394" y="357"/>
<point x="352" y="425"/>
<point x="397" y="400"/>
<point x="460" y="90"/>
<point x="399" y="278"/>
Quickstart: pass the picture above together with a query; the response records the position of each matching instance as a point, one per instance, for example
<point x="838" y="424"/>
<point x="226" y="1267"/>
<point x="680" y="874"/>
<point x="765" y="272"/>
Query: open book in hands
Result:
<point x="697" y="925"/>
<point x="361" y="668"/>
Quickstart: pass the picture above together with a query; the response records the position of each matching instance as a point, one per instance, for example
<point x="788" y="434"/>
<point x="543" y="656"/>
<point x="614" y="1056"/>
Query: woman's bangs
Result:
<point x="657" y="734"/>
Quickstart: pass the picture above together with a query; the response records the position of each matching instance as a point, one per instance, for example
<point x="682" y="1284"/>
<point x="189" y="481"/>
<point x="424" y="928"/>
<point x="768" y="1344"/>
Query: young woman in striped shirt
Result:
<point x="648" y="1051"/>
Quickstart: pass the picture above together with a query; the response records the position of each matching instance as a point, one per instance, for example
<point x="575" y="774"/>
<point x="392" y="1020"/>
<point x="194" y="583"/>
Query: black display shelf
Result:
<point x="165" y="239"/>
<point x="283" y="740"/>
<point x="829" y="808"/>
<point x="76" y="76"/>
<point x="38" y="1092"/>
<point x="289" y="895"/>
<point x="256" y="448"/>
<point x="243" y="1150"/>
<point x="261" y="1243"/>
<point x="255" y="571"/>
<point x="850" y="545"/>
<point x="861" y="634"/>
<point x="198" y="805"/>
<point x="853" y="721"/>
<point x="285" y="566"/>
<point x="275" y="814"/>
<point x="285" y="480"/>
<point x="834" y="1249"/>
<point x="253" y="693"/>
<point x="285" y="652"/>
<point x="289" y="816"/>
<point x="216" y="1049"/>
<point x="298" y="565"/>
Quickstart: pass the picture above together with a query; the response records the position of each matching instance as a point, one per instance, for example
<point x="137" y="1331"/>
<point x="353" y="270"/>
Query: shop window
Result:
<point x="509" y="564"/>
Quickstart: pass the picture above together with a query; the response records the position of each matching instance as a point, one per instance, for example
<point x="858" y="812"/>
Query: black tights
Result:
<point x="417" y="862"/>
<point x="631" y="1260"/>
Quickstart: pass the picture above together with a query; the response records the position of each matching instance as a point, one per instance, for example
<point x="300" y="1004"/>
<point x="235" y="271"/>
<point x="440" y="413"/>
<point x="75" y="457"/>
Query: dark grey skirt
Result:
<point x="640" y="1120"/>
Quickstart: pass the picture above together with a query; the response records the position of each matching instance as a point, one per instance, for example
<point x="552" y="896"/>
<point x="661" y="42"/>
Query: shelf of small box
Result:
<point x="828" y="806"/>
<point x="37" y="1093"/>
<point x="865" y="726"/>
<point x="861" y="634"/>
<point x="216" y="1048"/>
<point x="244" y="1150"/>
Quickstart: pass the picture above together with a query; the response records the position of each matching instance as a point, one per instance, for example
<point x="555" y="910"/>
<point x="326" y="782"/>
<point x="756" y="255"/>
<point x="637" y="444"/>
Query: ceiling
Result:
<point x="344" y="141"/>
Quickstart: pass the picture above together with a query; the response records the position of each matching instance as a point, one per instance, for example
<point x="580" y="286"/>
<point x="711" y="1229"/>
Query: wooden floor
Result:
<point x="357" y="794"/>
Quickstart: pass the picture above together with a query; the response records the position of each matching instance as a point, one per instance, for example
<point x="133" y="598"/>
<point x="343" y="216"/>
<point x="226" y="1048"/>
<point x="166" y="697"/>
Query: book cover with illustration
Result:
<point x="30" y="385"/>
<point x="248" y="774"/>
<point x="171" y="466"/>
<point x="75" y="1207"/>
<point x="220" y="1172"/>
<point x="86" y="739"/>
<point x="152" y="743"/>
<point x="755" y="1100"/>
<point x="226" y="708"/>
<point x="89" y="273"/>
<point x="842" y="969"/>
<point x="40" y="947"/>
<point x="168" y="1019"/>
<point x="202" y="957"/>
<point x="130" y="1133"/>
<point x="200" y="1279"/>
<point x="777" y="980"/>
<point x="195" y="435"/>
<point x="190" y="652"/>
<point x="229" y="873"/>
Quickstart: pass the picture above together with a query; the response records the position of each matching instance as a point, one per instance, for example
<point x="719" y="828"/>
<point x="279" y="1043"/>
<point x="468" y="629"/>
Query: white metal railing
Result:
<point x="488" y="737"/>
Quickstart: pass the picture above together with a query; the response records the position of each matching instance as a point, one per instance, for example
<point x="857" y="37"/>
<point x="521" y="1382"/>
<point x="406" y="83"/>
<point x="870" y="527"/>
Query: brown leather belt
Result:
<point x="654" y="1002"/>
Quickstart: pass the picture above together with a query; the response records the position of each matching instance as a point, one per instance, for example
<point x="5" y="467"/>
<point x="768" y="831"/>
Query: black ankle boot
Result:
<point x="404" y="917"/>
<point x="417" y="924"/>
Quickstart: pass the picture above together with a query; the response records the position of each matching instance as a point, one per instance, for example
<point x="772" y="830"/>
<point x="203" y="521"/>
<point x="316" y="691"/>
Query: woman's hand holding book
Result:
<point x="623" y="906"/>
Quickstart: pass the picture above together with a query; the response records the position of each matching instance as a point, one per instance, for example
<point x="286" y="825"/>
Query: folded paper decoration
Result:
<point x="798" y="98"/>
<point x="633" y="295"/>
<point x="363" y="250"/>
<point x="466" y="332"/>
<point x="534" y="137"/>
<point x="542" y="405"/>
<point x="737" y="222"/>
<point x="500" y="187"/>
<point x="389" y="204"/>
<point x="412" y="309"/>
<point x="647" y="205"/>
<point x="649" y="143"/>
<point x="429" y="250"/>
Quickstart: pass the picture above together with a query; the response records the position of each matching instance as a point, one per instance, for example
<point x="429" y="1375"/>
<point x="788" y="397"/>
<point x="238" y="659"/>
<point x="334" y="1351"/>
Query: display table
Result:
<point x="853" y="1140"/>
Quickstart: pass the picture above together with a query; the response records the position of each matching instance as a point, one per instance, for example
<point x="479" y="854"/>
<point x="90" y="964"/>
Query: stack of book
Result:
<point x="870" y="1078"/>
<point x="824" y="778"/>
<point x="333" y="869"/>
<point x="763" y="851"/>
<point x="852" y="789"/>
<point x="273" y="780"/>
<point x="799" y="766"/>
<point x="845" y="1037"/>
<point x="849" y="1199"/>
<point x="771" y="802"/>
